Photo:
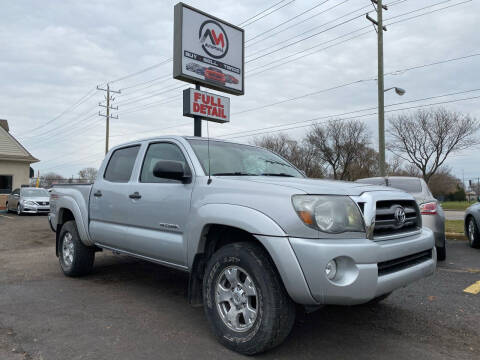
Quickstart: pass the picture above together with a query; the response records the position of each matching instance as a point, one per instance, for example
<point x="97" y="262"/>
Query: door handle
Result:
<point x="135" y="195"/>
<point x="98" y="193"/>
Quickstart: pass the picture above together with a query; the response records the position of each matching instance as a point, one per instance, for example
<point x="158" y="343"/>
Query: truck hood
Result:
<point x="314" y="186"/>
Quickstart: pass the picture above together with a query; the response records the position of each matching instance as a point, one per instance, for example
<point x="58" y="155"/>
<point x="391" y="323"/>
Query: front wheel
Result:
<point x="473" y="235"/>
<point x="19" y="210"/>
<point x="245" y="301"/>
<point x="75" y="258"/>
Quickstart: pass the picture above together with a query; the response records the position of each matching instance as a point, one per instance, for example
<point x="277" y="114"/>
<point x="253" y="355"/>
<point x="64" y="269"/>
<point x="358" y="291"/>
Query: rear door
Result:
<point x="160" y="212"/>
<point x="109" y="199"/>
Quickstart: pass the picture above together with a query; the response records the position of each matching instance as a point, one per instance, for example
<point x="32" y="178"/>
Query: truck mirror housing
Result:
<point x="173" y="170"/>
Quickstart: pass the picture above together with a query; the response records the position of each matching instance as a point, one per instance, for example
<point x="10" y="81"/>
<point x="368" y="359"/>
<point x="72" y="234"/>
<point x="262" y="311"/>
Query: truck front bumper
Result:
<point x="365" y="269"/>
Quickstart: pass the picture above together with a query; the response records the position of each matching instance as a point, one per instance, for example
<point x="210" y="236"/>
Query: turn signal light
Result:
<point x="429" y="208"/>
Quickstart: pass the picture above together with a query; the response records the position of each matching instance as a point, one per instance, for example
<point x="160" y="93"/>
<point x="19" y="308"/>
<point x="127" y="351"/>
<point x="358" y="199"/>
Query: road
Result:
<point x="130" y="309"/>
<point x="454" y="215"/>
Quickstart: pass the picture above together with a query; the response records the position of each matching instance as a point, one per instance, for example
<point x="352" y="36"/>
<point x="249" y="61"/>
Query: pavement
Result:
<point x="130" y="309"/>
<point x="454" y="215"/>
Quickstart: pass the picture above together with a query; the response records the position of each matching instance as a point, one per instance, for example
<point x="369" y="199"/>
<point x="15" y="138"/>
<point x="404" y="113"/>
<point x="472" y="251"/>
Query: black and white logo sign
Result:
<point x="213" y="38"/>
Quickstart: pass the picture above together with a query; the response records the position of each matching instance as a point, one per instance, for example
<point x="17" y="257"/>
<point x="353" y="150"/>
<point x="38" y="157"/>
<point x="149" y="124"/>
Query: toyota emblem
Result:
<point x="400" y="216"/>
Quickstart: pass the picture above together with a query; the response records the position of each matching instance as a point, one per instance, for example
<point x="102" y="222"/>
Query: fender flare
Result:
<point x="241" y="217"/>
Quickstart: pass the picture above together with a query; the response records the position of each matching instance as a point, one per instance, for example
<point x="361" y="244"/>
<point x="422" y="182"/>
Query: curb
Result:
<point x="455" y="236"/>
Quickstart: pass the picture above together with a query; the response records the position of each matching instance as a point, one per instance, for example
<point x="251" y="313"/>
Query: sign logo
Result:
<point x="213" y="38"/>
<point x="400" y="216"/>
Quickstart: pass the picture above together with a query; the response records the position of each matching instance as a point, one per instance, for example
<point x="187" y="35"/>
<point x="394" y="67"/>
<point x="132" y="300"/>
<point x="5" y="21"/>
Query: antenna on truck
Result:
<point x="209" y="181"/>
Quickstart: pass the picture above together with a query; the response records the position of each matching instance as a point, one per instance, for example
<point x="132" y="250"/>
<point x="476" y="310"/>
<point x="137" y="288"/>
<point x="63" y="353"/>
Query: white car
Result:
<point x="29" y="200"/>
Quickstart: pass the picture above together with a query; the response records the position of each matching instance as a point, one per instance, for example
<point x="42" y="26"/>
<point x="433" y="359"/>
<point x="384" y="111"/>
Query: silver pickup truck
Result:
<point x="255" y="235"/>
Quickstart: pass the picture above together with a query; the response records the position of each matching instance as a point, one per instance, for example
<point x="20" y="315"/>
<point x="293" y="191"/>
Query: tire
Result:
<point x="441" y="253"/>
<point x="75" y="258"/>
<point x="8" y="209"/>
<point x="473" y="234"/>
<point x="19" y="210"/>
<point x="275" y="311"/>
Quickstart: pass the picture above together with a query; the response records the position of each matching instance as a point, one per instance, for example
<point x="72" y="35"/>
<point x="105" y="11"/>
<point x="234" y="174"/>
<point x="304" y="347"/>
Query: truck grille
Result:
<point x="391" y="266"/>
<point x="395" y="217"/>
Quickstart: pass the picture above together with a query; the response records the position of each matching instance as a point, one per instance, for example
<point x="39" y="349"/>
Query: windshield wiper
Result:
<point x="277" y="174"/>
<point x="238" y="173"/>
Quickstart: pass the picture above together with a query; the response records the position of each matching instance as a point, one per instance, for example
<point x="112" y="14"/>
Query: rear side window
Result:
<point x="120" y="166"/>
<point x="409" y="185"/>
<point x="157" y="152"/>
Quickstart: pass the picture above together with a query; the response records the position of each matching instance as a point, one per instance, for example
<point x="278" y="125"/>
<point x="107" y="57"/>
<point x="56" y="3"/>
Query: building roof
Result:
<point x="10" y="148"/>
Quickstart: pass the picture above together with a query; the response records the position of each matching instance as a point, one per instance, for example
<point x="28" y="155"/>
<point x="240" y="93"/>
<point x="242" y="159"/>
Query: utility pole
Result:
<point x="381" y="90"/>
<point x="107" y="115"/>
<point x="197" y="126"/>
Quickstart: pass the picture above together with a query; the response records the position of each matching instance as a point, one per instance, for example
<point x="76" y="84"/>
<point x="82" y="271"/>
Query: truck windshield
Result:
<point x="35" y="193"/>
<point x="229" y="159"/>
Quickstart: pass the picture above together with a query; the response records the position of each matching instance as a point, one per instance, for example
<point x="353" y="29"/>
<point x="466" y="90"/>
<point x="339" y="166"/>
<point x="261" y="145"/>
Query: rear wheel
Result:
<point x="245" y="302"/>
<point x="75" y="258"/>
<point x="473" y="235"/>
<point x="8" y="209"/>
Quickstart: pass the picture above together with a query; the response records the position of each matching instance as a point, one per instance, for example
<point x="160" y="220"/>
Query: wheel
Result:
<point x="473" y="235"/>
<point x="19" y="210"/>
<point x="8" y="209"/>
<point x="75" y="258"/>
<point x="441" y="252"/>
<point x="244" y="299"/>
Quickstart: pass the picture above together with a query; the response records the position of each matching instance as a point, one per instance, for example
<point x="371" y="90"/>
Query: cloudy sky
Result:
<point x="54" y="53"/>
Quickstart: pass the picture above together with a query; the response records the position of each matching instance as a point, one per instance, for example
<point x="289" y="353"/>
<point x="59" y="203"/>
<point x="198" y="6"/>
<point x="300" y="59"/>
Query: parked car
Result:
<point x="215" y="75"/>
<point x="433" y="215"/>
<point x="472" y="221"/>
<point x="252" y="231"/>
<point x="29" y="200"/>
<point x="196" y="68"/>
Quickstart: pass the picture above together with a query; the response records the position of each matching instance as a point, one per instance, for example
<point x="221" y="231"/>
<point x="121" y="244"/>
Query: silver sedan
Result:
<point x="433" y="216"/>
<point x="29" y="200"/>
<point x="472" y="221"/>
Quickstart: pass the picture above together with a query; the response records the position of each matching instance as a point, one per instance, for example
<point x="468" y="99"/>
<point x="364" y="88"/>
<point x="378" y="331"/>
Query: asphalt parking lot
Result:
<point x="130" y="309"/>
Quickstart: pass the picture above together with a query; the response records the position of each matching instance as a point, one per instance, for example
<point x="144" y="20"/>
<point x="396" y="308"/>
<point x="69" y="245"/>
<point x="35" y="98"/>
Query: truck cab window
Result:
<point x="120" y="166"/>
<point x="157" y="152"/>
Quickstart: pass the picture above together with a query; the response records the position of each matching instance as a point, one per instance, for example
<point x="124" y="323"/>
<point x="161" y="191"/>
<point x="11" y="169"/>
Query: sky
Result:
<point x="55" y="53"/>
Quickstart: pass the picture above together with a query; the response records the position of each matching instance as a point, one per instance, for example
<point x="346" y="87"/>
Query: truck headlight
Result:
<point x="330" y="214"/>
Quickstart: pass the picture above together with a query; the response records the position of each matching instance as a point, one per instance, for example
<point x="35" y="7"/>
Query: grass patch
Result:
<point x="454" y="226"/>
<point x="455" y="205"/>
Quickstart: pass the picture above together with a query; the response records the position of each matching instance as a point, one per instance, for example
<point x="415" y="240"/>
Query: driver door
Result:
<point x="159" y="213"/>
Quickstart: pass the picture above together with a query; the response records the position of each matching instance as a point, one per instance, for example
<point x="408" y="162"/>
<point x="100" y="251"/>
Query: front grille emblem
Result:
<point x="400" y="216"/>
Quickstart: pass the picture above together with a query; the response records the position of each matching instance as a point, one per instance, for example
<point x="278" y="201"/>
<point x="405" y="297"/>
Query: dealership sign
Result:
<point x="208" y="51"/>
<point x="206" y="105"/>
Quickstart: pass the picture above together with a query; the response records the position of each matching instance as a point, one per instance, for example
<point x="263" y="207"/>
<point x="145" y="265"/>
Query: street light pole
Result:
<point x="381" y="104"/>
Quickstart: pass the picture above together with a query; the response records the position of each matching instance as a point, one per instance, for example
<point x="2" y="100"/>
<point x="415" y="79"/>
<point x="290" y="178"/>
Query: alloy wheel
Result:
<point x="236" y="299"/>
<point x="68" y="249"/>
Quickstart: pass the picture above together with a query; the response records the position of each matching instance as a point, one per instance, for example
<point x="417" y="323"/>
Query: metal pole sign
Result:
<point x="208" y="51"/>
<point x="206" y="105"/>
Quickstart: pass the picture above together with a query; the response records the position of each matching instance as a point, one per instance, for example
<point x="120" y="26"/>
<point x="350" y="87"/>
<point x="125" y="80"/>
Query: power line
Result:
<point x="261" y="12"/>
<point x="357" y="111"/>
<point x="292" y="18"/>
<point x="265" y="15"/>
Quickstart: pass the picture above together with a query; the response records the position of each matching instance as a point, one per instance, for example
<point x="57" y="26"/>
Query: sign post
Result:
<point x="207" y="52"/>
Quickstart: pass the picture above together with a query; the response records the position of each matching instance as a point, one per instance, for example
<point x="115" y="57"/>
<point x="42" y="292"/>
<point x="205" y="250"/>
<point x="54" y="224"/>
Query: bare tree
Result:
<point x="338" y="144"/>
<point x="47" y="180"/>
<point x="427" y="137"/>
<point x="301" y="154"/>
<point x="88" y="173"/>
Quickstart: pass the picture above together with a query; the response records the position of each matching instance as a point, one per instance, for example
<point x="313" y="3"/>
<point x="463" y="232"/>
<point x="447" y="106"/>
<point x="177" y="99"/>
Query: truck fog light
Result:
<point x="331" y="269"/>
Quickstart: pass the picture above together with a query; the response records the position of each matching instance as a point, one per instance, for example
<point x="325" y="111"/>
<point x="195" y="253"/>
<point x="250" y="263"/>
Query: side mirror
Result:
<point x="16" y="195"/>
<point x="173" y="170"/>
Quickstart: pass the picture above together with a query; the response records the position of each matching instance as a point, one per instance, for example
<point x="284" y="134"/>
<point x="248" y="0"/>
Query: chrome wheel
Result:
<point x="236" y="299"/>
<point x="19" y="211"/>
<point x="67" y="249"/>
<point x="471" y="231"/>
